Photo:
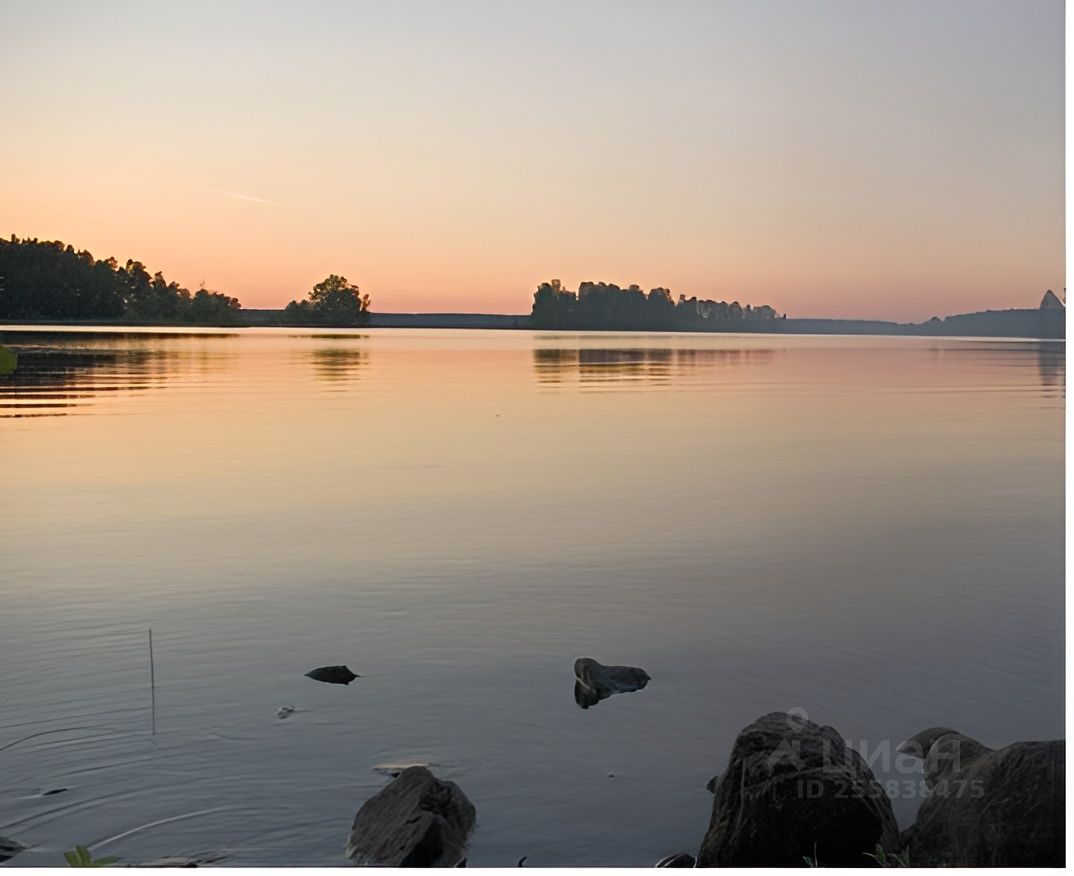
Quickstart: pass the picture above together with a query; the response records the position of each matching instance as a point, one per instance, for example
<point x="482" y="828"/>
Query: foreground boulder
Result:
<point x="416" y="821"/>
<point x="594" y="682"/>
<point x="986" y="807"/>
<point x="332" y="674"/>
<point x="794" y="791"/>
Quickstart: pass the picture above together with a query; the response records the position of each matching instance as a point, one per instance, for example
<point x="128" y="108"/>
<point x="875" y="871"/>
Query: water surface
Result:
<point x="868" y="529"/>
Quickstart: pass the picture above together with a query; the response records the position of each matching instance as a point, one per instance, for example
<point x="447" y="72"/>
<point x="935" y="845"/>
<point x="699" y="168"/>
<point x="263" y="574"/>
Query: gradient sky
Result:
<point x="872" y="158"/>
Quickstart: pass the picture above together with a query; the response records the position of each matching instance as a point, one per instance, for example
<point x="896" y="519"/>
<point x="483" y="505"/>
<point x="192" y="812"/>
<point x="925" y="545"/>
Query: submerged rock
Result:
<point x="794" y="790"/>
<point x="9" y="848"/>
<point x="416" y="821"/>
<point x="332" y="675"/>
<point x="594" y="682"/>
<point x="986" y="807"/>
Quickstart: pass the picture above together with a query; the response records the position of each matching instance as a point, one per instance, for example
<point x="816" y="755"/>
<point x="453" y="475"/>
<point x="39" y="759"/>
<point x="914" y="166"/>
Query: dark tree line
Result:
<point x="605" y="306"/>
<point x="50" y="280"/>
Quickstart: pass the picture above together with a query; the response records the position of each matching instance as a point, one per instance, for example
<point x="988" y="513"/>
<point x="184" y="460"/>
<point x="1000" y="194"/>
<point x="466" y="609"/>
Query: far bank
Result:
<point x="1045" y="322"/>
<point x="1015" y="323"/>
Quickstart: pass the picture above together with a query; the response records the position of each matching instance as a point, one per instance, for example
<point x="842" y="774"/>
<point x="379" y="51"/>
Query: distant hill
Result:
<point x="256" y="317"/>
<point x="986" y="324"/>
<point x="1044" y="323"/>
<point x="450" y="320"/>
<point x="1047" y="321"/>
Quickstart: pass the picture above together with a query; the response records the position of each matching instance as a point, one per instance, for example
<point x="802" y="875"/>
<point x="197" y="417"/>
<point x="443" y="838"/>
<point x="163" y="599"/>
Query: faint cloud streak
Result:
<point x="240" y="196"/>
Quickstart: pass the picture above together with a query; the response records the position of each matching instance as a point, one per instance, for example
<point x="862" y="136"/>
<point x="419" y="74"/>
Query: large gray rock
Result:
<point x="988" y="808"/>
<point x="416" y="821"/>
<point x="794" y="790"/>
<point x="594" y="682"/>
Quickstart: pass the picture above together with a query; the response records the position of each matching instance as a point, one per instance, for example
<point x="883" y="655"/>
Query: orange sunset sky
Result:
<point x="858" y="158"/>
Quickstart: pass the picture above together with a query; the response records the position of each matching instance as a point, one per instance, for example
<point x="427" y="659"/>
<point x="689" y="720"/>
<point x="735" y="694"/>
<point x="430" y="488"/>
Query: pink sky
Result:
<point x="854" y="158"/>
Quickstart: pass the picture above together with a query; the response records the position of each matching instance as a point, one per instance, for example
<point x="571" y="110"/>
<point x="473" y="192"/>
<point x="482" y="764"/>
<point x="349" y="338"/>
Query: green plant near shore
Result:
<point x="8" y="360"/>
<point x="894" y="859"/>
<point x="882" y="858"/>
<point x="81" y="857"/>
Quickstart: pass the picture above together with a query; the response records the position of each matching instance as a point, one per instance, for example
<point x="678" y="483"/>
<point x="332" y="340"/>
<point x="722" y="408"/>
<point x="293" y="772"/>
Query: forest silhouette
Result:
<point x="50" y="280"/>
<point x="605" y="306"/>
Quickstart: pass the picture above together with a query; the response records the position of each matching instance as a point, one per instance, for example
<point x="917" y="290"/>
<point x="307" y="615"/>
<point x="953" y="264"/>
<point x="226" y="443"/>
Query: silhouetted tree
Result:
<point x="553" y="306"/>
<point x="332" y="302"/>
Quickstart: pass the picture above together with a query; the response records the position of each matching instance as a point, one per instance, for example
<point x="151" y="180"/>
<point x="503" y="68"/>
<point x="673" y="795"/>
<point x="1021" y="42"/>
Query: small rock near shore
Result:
<point x="332" y="675"/>
<point x="416" y="821"/>
<point x="594" y="682"/>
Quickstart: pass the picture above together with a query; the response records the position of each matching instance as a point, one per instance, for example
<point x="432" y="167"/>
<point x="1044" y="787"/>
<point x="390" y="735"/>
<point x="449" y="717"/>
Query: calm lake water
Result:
<point x="867" y="529"/>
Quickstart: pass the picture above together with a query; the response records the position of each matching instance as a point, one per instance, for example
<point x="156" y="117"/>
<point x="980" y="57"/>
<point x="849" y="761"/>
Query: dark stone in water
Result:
<point x="986" y="807"/>
<point x="9" y="848"/>
<point x="332" y="675"/>
<point x="680" y="860"/>
<point x="594" y="682"/>
<point x="794" y="790"/>
<point x="416" y="821"/>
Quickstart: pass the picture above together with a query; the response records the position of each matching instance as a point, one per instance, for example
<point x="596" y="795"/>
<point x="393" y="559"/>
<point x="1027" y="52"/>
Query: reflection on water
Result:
<point x="339" y="363"/>
<point x="58" y="376"/>
<point x="869" y="529"/>
<point x="1052" y="361"/>
<point x="52" y="382"/>
<point x="646" y="365"/>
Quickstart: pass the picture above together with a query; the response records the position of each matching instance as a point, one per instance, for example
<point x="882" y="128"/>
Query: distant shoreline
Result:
<point x="1017" y="323"/>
